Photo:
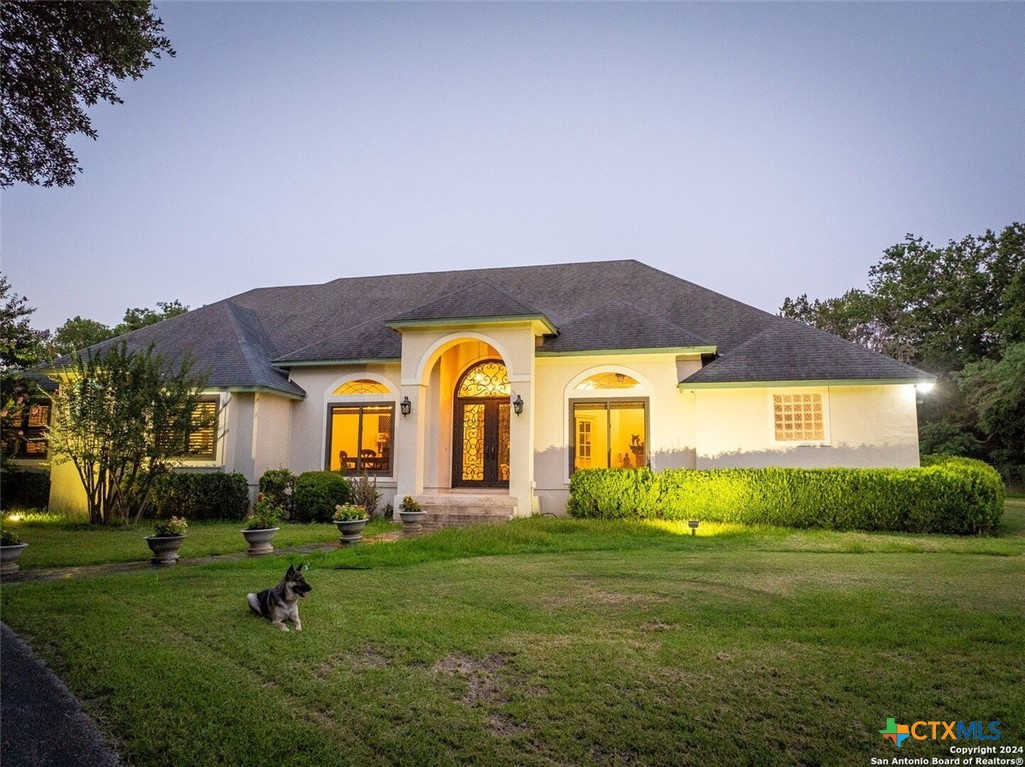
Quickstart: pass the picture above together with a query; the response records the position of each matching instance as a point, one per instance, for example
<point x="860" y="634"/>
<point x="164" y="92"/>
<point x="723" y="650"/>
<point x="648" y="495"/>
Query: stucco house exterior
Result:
<point x="486" y="389"/>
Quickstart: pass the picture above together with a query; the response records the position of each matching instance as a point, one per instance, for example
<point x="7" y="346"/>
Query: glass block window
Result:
<point x="798" y="417"/>
<point x="362" y="386"/>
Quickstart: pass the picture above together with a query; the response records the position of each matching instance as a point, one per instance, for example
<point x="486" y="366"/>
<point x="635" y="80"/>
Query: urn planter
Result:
<point x="164" y="548"/>
<point x="259" y="540"/>
<point x="9" y="557"/>
<point x="412" y="521"/>
<point x="350" y="530"/>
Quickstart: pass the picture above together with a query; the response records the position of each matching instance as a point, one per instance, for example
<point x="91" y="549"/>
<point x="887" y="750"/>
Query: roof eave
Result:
<point x="685" y="385"/>
<point x="619" y="352"/>
<point x="334" y="362"/>
<point x="542" y="325"/>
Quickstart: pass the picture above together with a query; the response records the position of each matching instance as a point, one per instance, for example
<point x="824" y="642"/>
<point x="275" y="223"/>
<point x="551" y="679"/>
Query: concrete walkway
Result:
<point x="41" y="723"/>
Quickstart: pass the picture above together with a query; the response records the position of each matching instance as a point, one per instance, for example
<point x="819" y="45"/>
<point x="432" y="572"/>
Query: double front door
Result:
<point x="481" y="436"/>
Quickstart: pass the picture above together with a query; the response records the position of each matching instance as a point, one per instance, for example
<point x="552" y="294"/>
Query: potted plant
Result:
<point x="11" y="547"/>
<point x="350" y="520"/>
<point x="412" y="515"/>
<point x="261" y="526"/>
<point x="167" y="538"/>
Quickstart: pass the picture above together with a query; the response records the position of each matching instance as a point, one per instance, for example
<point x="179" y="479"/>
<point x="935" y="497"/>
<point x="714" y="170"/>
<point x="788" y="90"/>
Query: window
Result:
<point x="34" y="423"/>
<point x="487" y="379"/>
<point x="199" y="443"/>
<point x="362" y="386"/>
<point x="359" y="438"/>
<point x="798" y="417"/>
<point x="608" y="381"/>
<point x="609" y="434"/>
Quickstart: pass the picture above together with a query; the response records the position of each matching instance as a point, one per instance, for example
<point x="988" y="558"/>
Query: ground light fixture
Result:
<point x="406" y="406"/>
<point x="518" y="405"/>
<point x="693" y="525"/>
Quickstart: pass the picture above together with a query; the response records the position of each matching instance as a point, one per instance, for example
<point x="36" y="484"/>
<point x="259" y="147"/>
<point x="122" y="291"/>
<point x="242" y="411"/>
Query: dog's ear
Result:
<point x="291" y="572"/>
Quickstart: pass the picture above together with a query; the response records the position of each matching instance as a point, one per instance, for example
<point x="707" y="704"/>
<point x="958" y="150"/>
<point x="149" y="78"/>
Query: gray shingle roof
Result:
<point x="792" y="351"/>
<point x="245" y="340"/>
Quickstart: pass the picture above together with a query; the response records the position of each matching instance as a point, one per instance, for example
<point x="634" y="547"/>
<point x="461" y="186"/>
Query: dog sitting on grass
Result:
<point x="281" y="603"/>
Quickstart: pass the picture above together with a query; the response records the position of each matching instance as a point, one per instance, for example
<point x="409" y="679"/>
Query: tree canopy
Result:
<point x="79" y="333"/>
<point x="58" y="58"/>
<point x="959" y="307"/>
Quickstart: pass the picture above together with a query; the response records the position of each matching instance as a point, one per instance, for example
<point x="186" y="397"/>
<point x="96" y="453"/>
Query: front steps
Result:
<point x="460" y="509"/>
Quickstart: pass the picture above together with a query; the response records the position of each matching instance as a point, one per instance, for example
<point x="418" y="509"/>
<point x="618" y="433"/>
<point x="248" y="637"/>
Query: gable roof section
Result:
<point x="624" y="325"/>
<point x="479" y="301"/>
<point x="790" y="351"/>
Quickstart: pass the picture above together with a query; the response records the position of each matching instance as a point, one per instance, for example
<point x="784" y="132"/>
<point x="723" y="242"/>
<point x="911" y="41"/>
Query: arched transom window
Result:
<point x="486" y="379"/>
<point x="608" y="381"/>
<point x="362" y="386"/>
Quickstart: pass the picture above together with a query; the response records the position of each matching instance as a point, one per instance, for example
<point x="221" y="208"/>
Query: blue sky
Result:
<point x="760" y="150"/>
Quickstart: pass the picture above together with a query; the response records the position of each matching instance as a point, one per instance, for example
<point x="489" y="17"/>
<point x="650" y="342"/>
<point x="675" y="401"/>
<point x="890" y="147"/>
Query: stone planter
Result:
<point x="164" y="548"/>
<point x="412" y="521"/>
<point x="259" y="540"/>
<point x="350" y="530"/>
<point x="9" y="557"/>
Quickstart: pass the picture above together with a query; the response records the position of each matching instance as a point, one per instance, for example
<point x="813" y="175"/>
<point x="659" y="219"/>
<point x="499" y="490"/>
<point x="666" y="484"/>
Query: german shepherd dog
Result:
<point x="281" y="603"/>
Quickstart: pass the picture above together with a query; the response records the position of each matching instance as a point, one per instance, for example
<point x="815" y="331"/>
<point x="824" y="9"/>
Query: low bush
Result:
<point x="277" y="486"/>
<point x="24" y="489"/>
<point x="961" y="496"/>
<point x="316" y="495"/>
<point x="200" y="496"/>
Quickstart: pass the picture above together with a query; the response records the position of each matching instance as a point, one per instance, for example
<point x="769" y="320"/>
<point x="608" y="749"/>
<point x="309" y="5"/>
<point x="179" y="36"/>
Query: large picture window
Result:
<point x="359" y="438"/>
<point x="609" y="434"/>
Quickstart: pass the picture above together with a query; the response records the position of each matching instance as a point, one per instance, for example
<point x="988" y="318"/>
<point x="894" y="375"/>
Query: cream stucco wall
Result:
<point x="867" y="426"/>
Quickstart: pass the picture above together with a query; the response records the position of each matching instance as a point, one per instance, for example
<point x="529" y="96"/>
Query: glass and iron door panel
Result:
<point x="609" y="434"/>
<point x="481" y="443"/>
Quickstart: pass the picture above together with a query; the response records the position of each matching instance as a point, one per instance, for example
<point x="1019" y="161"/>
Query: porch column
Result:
<point x="411" y="443"/>
<point x="521" y="427"/>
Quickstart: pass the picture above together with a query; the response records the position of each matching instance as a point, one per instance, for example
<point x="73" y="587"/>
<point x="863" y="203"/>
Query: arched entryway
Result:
<point x="480" y="426"/>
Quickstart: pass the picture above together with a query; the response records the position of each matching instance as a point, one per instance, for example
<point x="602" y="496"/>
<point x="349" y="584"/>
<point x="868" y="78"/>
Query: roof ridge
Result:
<point x="246" y="344"/>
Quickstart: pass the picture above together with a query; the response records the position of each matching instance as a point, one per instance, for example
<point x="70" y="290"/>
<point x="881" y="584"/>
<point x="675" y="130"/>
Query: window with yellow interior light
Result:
<point x="609" y="434"/>
<point x="362" y="386"/>
<point x="360" y="438"/>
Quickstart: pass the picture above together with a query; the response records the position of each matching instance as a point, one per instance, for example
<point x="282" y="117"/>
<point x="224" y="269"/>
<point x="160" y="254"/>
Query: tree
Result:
<point x="80" y="333"/>
<point x="944" y="309"/>
<point x="122" y="418"/>
<point x="58" y="58"/>
<point x="21" y="347"/>
<point x="995" y="391"/>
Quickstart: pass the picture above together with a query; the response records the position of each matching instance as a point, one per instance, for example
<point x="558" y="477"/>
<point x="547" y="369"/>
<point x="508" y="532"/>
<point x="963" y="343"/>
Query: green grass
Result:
<point x="548" y="642"/>
<point x="56" y="541"/>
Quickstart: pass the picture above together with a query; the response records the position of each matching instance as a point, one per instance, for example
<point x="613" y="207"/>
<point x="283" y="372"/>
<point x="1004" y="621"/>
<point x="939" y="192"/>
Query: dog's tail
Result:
<point x="254" y="603"/>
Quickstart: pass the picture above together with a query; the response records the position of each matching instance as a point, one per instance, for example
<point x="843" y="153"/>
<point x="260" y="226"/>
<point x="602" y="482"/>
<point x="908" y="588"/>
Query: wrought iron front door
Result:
<point x="481" y="436"/>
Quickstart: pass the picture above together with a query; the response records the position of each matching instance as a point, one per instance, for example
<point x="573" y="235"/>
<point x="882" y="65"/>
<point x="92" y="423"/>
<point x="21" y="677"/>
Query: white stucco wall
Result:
<point x="867" y="426"/>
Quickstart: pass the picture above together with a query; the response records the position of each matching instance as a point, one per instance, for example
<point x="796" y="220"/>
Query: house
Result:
<point x="484" y="390"/>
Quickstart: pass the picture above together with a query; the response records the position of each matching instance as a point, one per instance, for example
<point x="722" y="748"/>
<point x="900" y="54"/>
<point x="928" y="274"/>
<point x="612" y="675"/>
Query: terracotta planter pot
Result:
<point x="164" y="548"/>
<point x="9" y="557"/>
<point x="351" y="530"/>
<point x="259" y="540"/>
<point x="412" y="521"/>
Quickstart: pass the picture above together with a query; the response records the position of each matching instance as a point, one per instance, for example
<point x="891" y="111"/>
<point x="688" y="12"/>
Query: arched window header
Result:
<point x="485" y="379"/>
<point x="362" y="386"/>
<point x="608" y="381"/>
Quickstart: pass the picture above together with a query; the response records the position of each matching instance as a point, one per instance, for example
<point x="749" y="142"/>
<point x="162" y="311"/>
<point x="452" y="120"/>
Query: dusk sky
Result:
<point x="760" y="150"/>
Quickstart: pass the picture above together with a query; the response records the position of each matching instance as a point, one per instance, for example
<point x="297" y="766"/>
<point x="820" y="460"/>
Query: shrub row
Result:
<point x="200" y="496"/>
<point x="24" y="489"/>
<point x="960" y="496"/>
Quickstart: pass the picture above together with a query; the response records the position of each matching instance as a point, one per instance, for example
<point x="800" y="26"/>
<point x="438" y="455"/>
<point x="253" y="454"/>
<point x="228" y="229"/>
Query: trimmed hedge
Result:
<point x="317" y="493"/>
<point x="24" y="489"/>
<point x="200" y="496"/>
<point x="960" y="496"/>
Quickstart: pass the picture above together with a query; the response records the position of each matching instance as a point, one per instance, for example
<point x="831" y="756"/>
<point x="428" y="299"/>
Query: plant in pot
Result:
<point x="412" y="515"/>
<point x="167" y="538"/>
<point x="11" y="547"/>
<point x="261" y="526"/>
<point x="350" y="520"/>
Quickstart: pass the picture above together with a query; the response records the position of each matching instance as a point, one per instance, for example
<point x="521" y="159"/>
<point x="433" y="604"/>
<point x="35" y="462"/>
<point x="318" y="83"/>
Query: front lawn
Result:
<point x="553" y="642"/>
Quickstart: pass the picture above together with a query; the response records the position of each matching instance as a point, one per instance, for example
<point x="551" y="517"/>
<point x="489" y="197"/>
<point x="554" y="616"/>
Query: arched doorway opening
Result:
<point x="480" y="426"/>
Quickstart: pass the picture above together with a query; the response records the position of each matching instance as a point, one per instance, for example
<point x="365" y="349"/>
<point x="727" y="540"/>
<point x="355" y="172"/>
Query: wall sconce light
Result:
<point x="518" y="405"/>
<point x="406" y="406"/>
<point x="693" y="525"/>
